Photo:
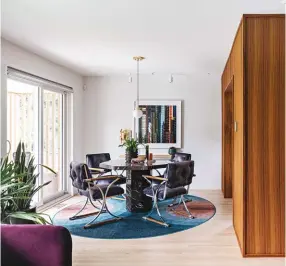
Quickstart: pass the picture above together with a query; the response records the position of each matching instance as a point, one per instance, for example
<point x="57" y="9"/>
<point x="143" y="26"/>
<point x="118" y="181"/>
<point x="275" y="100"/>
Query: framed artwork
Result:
<point x="160" y="125"/>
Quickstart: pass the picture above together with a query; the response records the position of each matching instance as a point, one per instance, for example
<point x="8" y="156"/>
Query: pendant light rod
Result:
<point x="138" y="83"/>
<point x="138" y="59"/>
<point x="137" y="113"/>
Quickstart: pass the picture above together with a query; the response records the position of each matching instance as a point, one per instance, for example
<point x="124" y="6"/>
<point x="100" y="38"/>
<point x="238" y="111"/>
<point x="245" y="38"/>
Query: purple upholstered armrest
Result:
<point x="35" y="245"/>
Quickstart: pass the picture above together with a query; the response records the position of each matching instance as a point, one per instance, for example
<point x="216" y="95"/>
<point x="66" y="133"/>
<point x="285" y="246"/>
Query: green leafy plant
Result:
<point x="18" y="184"/>
<point x="131" y="145"/>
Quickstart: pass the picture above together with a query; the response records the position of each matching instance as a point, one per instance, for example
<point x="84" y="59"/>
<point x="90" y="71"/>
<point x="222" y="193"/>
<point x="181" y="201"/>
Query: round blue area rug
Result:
<point x="133" y="226"/>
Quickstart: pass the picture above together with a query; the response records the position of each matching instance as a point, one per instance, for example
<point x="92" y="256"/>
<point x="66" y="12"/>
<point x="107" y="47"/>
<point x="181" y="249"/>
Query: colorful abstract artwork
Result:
<point x="160" y="123"/>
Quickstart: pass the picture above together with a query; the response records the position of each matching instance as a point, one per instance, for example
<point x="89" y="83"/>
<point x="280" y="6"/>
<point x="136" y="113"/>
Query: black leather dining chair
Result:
<point x="177" y="157"/>
<point x="93" y="162"/>
<point x="173" y="184"/>
<point x="181" y="156"/>
<point x="94" y="190"/>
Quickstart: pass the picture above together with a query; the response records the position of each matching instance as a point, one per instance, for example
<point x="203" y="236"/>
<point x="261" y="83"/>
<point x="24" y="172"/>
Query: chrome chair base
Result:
<point x="174" y="203"/>
<point x="155" y="221"/>
<point x="163" y="222"/>
<point x="87" y="226"/>
<point x="83" y="216"/>
<point x="101" y="210"/>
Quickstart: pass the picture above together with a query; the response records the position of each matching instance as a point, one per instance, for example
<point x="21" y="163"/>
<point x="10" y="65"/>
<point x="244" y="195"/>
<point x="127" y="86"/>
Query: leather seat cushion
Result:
<point x="108" y="181"/>
<point x="94" y="172"/>
<point x="96" y="194"/>
<point x="170" y="193"/>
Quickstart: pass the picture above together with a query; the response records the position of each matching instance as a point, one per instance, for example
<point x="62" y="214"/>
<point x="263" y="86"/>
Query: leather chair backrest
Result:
<point x="78" y="173"/>
<point x="181" y="157"/>
<point x="179" y="174"/>
<point x="93" y="160"/>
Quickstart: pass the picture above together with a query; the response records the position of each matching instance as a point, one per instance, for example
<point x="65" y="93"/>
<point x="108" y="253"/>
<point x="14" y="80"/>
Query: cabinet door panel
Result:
<point x="265" y="127"/>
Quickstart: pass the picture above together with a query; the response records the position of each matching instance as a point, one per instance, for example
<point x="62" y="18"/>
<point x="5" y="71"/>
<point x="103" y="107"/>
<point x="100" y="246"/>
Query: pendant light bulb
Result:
<point x="137" y="113"/>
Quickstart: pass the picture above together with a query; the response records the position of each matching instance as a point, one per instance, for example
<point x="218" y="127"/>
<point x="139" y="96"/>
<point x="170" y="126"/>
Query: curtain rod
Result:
<point x="38" y="77"/>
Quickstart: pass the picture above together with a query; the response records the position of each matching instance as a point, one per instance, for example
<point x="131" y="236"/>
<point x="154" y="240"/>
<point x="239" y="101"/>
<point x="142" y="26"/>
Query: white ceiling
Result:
<point x="100" y="37"/>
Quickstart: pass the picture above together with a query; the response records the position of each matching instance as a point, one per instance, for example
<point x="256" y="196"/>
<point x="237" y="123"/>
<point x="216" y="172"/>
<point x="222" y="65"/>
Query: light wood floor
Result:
<point x="211" y="244"/>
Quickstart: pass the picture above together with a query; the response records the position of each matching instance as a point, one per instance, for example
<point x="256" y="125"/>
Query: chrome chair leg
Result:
<point x="77" y="216"/>
<point x="105" y="196"/>
<point x="173" y="202"/>
<point x="115" y="216"/>
<point x="162" y="219"/>
<point x="187" y="200"/>
<point x="155" y="205"/>
<point x="90" y="223"/>
<point x="60" y="209"/>
<point x="103" y="209"/>
<point x="150" y="219"/>
<point x="94" y="205"/>
<point x="186" y="208"/>
<point x="74" y="217"/>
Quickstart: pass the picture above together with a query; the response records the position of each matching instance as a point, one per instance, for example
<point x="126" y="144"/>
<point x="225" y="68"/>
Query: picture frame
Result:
<point x="160" y="126"/>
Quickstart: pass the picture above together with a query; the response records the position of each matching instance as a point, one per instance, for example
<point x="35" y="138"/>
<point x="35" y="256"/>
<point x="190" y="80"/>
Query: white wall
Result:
<point x="108" y="105"/>
<point x="14" y="56"/>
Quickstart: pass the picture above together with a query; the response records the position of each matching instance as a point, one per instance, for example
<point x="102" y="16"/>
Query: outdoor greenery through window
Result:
<point x="35" y="116"/>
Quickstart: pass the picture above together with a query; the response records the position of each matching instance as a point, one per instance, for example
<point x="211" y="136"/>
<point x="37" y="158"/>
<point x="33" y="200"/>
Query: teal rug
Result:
<point x="133" y="226"/>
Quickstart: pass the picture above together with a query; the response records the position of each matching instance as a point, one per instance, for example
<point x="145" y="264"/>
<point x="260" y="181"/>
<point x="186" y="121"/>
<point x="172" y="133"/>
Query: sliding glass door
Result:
<point x="52" y="135"/>
<point x="36" y="116"/>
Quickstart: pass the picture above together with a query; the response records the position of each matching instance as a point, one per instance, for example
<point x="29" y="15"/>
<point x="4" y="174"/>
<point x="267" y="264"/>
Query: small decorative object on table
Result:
<point x="147" y="152"/>
<point x="172" y="151"/>
<point x="137" y="161"/>
<point x="131" y="149"/>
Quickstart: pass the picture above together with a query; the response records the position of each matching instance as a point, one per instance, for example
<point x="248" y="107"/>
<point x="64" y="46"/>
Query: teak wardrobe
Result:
<point x="253" y="134"/>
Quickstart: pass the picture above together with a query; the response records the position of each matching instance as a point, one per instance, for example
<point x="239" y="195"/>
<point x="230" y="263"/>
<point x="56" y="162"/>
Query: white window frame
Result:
<point x="67" y="127"/>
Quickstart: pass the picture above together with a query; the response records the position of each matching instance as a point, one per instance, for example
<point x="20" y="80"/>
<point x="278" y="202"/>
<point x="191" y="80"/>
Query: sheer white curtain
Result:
<point x="22" y="116"/>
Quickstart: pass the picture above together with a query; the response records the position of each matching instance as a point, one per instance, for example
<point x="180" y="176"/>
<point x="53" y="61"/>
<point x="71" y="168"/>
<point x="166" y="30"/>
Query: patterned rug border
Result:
<point x="75" y="227"/>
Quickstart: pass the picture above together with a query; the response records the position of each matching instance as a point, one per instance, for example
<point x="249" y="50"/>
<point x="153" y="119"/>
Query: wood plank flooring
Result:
<point x="211" y="244"/>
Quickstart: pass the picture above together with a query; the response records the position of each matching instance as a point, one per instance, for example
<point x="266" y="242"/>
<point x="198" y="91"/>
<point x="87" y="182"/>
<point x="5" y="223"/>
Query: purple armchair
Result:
<point x="35" y="245"/>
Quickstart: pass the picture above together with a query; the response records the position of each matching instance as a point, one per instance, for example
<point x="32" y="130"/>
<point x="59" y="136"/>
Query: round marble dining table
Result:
<point x="136" y="200"/>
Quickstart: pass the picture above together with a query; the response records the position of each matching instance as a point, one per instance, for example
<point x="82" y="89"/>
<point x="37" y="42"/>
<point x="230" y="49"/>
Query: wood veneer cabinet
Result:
<point x="253" y="134"/>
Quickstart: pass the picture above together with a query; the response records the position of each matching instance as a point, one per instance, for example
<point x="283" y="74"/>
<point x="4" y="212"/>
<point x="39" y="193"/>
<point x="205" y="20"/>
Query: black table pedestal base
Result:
<point x="136" y="201"/>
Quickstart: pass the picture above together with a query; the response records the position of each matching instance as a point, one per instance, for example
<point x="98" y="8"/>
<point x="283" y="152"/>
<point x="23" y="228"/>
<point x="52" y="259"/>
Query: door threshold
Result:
<point x="52" y="203"/>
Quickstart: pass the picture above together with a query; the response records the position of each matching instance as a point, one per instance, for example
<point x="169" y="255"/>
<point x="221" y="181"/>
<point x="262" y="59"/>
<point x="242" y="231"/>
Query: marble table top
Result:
<point x="121" y="165"/>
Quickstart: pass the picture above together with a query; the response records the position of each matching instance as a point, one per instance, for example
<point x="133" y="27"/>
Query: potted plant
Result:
<point x="131" y="149"/>
<point x="18" y="183"/>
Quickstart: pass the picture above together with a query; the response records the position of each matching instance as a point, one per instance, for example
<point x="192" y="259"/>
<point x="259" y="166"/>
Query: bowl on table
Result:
<point x="141" y="157"/>
<point x="138" y="160"/>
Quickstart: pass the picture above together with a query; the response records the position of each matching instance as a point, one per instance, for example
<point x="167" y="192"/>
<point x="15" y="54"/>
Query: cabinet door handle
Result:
<point x="235" y="126"/>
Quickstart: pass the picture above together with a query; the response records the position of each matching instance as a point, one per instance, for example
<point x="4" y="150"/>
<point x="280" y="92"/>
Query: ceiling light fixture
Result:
<point x="137" y="113"/>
